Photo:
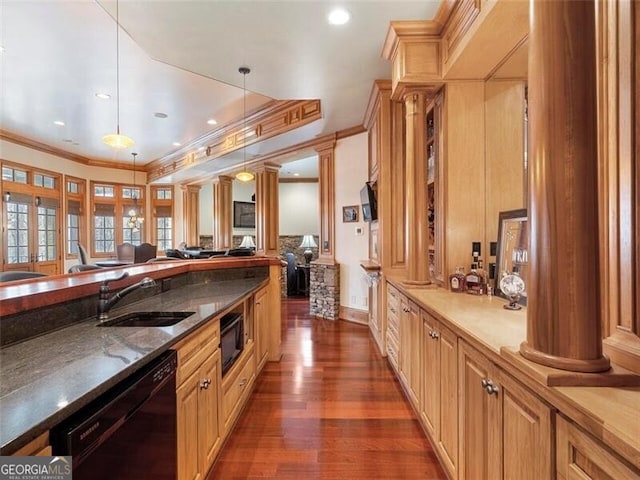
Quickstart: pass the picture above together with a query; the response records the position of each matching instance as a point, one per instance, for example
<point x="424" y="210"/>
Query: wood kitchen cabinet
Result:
<point x="410" y="349"/>
<point x="38" y="447"/>
<point x="394" y="310"/>
<point x="198" y="398"/>
<point x="439" y="408"/>
<point x="236" y="386"/>
<point x="581" y="457"/>
<point x="505" y="431"/>
<point x="261" y="325"/>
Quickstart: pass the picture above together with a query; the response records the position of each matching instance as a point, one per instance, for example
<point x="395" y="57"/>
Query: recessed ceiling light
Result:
<point x="103" y="96"/>
<point x="296" y="174"/>
<point x="201" y="149"/>
<point x="211" y="121"/>
<point x="67" y="140"/>
<point x="176" y="144"/>
<point x="160" y="115"/>
<point x="60" y="123"/>
<point x="338" y="16"/>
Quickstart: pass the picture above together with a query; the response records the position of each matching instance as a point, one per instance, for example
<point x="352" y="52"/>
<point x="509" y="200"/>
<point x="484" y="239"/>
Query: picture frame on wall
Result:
<point x="244" y="215"/>
<point x="350" y="213"/>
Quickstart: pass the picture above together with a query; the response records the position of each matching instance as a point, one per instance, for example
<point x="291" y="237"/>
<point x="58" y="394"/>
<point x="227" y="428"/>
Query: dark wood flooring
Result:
<point x="331" y="409"/>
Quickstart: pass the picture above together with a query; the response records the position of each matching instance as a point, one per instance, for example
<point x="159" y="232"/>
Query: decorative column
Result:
<point x="222" y="206"/>
<point x="563" y="312"/>
<point x="416" y="234"/>
<point x="190" y="210"/>
<point x="324" y="288"/>
<point x="267" y="210"/>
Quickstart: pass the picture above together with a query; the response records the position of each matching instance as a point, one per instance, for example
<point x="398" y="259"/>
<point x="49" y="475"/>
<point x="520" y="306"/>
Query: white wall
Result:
<point x="299" y="209"/>
<point x="351" y="165"/>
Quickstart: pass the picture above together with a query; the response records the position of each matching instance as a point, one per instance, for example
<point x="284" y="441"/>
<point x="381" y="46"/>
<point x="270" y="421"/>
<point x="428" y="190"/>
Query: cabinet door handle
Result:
<point x="205" y="383"/>
<point x="489" y="387"/>
<point x="435" y="335"/>
<point x="243" y="382"/>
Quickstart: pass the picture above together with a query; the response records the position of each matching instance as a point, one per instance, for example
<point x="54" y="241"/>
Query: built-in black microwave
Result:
<point x="231" y="338"/>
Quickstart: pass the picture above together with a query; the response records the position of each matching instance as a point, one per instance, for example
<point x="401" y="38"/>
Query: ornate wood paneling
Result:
<point x="267" y="209"/>
<point x="463" y="15"/>
<point x="190" y="217"/>
<point x="222" y="219"/>
<point x="619" y="186"/>
<point x="280" y="117"/>
<point x="326" y="175"/>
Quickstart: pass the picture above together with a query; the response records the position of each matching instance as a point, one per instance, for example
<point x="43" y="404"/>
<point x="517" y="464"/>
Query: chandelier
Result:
<point x="116" y="140"/>
<point x="135" y="215"/>
<point x="244" y="175"/>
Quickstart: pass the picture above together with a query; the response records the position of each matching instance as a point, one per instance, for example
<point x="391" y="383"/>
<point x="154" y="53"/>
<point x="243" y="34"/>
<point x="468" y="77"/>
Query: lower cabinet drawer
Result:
<point x="236" y="388"/>
<point x="580" y="456"/>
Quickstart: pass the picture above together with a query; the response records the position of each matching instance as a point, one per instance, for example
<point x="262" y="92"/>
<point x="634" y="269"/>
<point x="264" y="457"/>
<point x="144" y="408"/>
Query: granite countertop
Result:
<point x="46" y="379"/>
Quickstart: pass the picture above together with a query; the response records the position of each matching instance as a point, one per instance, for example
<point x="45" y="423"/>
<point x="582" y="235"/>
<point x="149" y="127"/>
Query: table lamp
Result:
<point x="308" y="242"/>
<point x="247" y="242"/>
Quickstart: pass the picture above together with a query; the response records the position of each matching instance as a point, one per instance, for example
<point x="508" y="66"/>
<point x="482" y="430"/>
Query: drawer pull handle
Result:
<point x="243" y="382"/>
<point x="205" y="383"/>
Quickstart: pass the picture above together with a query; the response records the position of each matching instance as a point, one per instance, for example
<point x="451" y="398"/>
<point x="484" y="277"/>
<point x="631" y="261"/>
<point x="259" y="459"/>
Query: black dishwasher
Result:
<point x="129" y="432"/>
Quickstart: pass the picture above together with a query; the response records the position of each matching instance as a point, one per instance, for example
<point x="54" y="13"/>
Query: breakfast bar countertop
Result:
<point x="46" y="379"/>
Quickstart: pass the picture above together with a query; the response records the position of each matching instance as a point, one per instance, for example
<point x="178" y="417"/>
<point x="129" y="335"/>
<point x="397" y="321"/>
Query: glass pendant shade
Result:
<point x="244" y="176"/>
<point x="118" y="141"/>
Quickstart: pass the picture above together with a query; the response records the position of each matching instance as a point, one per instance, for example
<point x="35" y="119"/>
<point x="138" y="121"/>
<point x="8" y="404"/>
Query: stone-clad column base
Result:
<point x="324" y="290"/>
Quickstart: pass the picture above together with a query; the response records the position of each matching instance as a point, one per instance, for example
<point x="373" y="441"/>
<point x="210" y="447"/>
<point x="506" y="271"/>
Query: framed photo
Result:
<point x="244" y="215"/>
<point x="350" y="213"/>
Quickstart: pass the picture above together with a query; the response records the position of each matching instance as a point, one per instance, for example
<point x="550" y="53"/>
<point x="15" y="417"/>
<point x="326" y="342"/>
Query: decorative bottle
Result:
<point x="456" y="280"/>
<point x="473" y="279"/>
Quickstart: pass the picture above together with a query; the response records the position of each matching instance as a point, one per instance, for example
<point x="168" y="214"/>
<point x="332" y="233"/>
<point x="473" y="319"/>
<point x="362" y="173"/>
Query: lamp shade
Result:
<point x="308" y="242"/>
<point x="247" y="242"/>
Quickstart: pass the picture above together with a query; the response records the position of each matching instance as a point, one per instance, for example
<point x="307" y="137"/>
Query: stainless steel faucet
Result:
<point x="105" y="303"/>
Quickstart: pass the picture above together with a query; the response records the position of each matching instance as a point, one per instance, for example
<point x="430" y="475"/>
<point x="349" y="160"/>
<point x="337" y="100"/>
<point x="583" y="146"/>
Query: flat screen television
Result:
<point x="369" y="203"/>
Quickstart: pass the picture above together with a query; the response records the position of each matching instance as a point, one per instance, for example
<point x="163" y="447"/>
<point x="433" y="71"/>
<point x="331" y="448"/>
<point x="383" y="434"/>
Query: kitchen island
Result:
<point x="47" y="377"/>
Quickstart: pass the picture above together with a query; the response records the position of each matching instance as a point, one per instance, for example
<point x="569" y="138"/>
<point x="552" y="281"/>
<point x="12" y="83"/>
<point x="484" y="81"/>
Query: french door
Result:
<point x="31" y="233"/>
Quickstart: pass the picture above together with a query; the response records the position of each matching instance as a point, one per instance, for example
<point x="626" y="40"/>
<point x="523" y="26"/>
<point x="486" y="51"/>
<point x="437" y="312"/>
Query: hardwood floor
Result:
<point x="331" y="409"/>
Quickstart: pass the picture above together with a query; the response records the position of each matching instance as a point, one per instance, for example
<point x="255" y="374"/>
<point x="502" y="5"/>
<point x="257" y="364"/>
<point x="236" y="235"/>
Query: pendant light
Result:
<point x="244" y="176"/>
<point x="116" y="140"/>
<point x="135" y="215"/>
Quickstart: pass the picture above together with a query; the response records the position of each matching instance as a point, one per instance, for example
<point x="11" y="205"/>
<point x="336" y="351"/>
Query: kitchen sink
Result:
<point x="146" y="319"/>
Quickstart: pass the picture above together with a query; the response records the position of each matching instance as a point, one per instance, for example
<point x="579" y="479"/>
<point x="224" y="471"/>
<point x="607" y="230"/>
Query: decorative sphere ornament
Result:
<point x="512" y="286"/>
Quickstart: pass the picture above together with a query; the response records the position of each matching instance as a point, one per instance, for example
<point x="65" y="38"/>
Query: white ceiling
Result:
<point x="181" y="58"/>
